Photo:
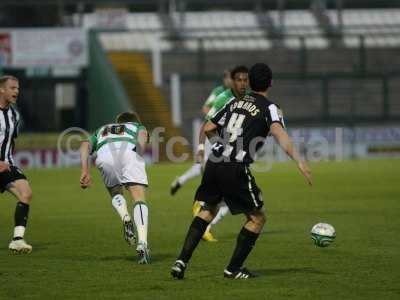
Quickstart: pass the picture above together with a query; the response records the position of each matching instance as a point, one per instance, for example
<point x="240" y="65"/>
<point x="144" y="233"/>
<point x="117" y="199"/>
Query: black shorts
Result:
<point x="9" y="176"/>
<point x="231" y="182"/>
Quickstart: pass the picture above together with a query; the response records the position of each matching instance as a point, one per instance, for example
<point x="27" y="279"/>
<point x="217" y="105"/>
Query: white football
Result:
<point x="323" y="234"/>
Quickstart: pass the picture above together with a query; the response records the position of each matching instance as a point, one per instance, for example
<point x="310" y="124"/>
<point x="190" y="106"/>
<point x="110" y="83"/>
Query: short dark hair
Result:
<point x="128" y="116"/>
<point x="260" y="77"/>
<point x="239" y="69"/>
<point x="5" y="78"/>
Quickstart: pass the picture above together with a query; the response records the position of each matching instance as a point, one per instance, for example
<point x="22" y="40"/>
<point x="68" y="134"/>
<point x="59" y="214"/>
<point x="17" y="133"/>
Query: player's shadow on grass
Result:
<point x="233" y="236"/>
<point x="282" y="271"/>
<point x="37" y="247"/>
<point x="43" y="246"/>
<point x="155" y="257"/>
<point x="117" y="258"/>
<point x="277" y="231"/>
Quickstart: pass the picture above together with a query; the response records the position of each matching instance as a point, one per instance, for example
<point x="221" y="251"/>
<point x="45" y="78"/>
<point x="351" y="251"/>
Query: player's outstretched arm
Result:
<point x="85" y="179"/>
<point x="286" y="143"/>
<point x="200" y="147"/>
<point x="143" y="138"/>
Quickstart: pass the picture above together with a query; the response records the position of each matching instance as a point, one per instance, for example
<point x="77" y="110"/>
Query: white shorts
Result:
<point x="119" y="164"/>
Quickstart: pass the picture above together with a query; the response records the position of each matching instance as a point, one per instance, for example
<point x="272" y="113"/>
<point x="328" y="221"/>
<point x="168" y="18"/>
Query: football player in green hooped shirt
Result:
<point x="239" y="76"/>
<point x="118" y="148"/>
<point x="226" y="84"/>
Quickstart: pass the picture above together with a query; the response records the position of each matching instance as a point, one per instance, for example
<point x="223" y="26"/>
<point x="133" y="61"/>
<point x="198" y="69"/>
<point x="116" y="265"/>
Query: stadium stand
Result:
<point x="379" y="26"/>
<point x="223" y="33"/>
<point x="322" y="74"/>
<point x="243" y="31"/>
<point x="136" y="21"/>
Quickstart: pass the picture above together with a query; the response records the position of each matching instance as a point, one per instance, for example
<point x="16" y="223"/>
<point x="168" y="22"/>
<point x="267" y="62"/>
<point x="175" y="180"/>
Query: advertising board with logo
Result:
<point x="22" y="48"/>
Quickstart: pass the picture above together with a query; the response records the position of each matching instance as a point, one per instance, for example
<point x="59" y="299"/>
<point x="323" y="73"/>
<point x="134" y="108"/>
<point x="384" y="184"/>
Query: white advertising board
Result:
<point x="45" y="47"/>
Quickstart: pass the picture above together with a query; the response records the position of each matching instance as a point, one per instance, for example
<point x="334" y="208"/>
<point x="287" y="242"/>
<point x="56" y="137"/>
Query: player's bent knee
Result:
<point x="139" y="200"/>
<point x="259" y="219"/>
<point x="206" y="215"/>
<point x="137" y="192"/>
<point x="259" y="222"/>
<point x="26" y="197"/>
<point x="115" y="190"/>
<point x="262" y="219"/>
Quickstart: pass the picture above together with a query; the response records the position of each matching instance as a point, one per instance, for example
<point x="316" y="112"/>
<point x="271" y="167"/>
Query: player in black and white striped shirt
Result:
<point x="11" y="177"/>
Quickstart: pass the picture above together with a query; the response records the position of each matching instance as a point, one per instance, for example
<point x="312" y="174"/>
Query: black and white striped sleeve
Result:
<point x="274" y="115"/>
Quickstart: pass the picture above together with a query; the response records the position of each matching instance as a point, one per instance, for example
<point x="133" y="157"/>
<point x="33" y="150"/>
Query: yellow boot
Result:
<point x="208" y="237"/>
<point x="196" y="208"/>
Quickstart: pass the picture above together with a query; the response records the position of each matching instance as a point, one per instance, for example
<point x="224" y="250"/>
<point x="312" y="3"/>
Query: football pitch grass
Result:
<point x="79" y="252"/>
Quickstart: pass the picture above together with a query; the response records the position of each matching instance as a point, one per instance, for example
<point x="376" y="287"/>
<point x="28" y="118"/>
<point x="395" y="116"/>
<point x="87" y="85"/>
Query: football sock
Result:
<point x="195" y="170"/>
<point x="19" y="232"/>
<point x="119" y="204"/>
<point x="20" y="219"/>
<point x="223" y="210"/>
<point x="193" y="237"/>
<point x="244" y="244"/>
<point x="140" y="216"/>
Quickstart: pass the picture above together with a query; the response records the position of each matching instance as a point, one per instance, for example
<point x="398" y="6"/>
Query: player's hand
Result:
<point x="4" y="166"/>
<point x="85" y="180"/>
<point x="200" y="156"/>
<point x="305" y="170"/>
